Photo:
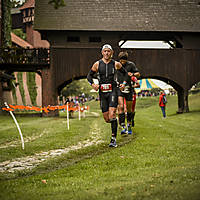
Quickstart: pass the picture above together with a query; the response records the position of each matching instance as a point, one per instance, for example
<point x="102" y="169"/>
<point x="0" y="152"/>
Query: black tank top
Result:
<point x="107" y="72"/>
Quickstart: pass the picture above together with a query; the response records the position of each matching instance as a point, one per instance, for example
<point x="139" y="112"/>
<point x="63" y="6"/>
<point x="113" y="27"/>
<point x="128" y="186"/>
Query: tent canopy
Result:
<point x="146" y="84"/>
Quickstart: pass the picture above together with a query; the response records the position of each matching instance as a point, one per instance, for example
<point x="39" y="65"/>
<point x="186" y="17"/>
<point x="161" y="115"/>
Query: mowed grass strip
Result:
<point x="161" y="161"/>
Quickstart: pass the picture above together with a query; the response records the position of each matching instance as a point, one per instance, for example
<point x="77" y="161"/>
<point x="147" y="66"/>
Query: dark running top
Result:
<point x="107" y="72"/>
<point x="129" y="67"/>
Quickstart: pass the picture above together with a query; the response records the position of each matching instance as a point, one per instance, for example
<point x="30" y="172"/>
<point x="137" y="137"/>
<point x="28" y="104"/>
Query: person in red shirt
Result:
<point x="162" y="103"/>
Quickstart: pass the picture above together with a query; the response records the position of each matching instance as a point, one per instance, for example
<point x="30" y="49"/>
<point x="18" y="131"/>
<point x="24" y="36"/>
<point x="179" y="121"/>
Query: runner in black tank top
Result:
<point x="127" y="94"/>
<point x="106" y="71"/>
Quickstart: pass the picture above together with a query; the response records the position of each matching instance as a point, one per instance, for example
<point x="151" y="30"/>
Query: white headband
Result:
<point x="106" y="46"/>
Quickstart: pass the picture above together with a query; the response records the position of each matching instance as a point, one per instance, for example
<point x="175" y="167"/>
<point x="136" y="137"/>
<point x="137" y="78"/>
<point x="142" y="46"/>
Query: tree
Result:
<point x="16" y="3"/>
<point x="71" y="89"/>
<point x="6" y="20"/>
<point x="6" y="23"/>
<point x="198" y="85"/>
<point x="76" y="88"/>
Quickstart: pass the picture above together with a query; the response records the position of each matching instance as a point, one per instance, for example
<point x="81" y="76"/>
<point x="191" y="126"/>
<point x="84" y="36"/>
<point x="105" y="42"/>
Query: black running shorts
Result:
<point x="108" y="99"/>
<point x="127" y="96"/>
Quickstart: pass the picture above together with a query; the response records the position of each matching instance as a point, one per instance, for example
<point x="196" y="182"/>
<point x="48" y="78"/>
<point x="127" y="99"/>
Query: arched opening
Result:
<point x="77" y="91"/>
<point x="181" y="93"/>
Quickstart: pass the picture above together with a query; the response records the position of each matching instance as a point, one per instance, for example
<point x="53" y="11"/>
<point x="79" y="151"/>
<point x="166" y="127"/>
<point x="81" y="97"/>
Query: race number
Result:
<point x="126" y="89"/>
<point x="106" y="88"/>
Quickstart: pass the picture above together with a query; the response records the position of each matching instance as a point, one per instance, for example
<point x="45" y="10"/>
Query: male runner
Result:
<point x="127" y="93"/>
<point x="106" y="73"/>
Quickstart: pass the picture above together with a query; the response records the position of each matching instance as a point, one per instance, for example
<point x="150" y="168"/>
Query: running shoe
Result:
<point x="124" y="131"/>
<point x="113" y="143"/>
<point x="129" y="130"/>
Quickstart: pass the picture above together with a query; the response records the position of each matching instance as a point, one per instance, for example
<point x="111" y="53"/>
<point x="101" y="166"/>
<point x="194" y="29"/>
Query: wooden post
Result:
<point x="49" y="94"/>
<point x="186" y="105"/>
<point x="183" y="105"/>
<point x="180" y="101"/>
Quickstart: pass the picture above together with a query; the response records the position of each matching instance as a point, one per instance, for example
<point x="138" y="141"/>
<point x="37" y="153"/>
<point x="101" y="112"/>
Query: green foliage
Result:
<point x="197" y="85"/>
<point x="57" y="3"/>
<point x="6" y="20"/>
<point x="6" y="23"/>
<point x="71" y="89"/>
<point x="16" y="3"/>
<point x="21" y="86"/>
<point x="76" y="88"/>
<point x="32" y="88"/>
<point x="19" y="33"/>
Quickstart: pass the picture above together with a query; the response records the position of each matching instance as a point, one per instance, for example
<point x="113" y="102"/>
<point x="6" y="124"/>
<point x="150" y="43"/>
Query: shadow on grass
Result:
<point x="184" y="113"/>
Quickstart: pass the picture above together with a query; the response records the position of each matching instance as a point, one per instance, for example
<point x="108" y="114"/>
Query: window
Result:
<point x="26" y="12"/>
<point x="94" y="39"/>
<point x="73" y="39"/>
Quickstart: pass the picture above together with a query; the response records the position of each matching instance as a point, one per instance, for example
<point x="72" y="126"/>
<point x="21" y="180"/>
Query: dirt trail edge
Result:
<point x="31" y="162"/>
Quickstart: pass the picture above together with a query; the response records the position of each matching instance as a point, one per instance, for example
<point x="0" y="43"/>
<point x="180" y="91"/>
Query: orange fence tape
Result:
<point x="45" y="109"/>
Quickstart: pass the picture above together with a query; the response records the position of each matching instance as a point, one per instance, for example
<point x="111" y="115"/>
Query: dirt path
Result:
<point x="30" y="162"/>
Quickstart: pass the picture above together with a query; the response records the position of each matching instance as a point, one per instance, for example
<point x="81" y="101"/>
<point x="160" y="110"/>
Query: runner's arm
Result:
<point x="137" y="85"/>
<point x="92" y="72"/>
<point x="90" y="75"/>
<point x="137" y="74"/>
<point x="135" y="81"/>
<point x="123" y="71"/>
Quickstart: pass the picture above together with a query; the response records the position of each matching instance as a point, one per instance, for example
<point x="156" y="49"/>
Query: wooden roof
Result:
<point x="28" y="4"/>
<point x="119" y="15"/>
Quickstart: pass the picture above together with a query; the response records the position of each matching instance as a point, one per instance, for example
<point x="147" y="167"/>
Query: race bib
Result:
<point x="106" y="87"/>
<point x="126" y="89"/>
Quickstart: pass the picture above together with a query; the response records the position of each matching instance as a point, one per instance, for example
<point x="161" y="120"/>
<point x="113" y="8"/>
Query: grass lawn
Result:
<point x="161" y="161"/>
